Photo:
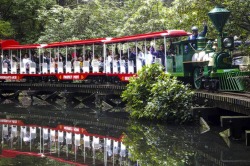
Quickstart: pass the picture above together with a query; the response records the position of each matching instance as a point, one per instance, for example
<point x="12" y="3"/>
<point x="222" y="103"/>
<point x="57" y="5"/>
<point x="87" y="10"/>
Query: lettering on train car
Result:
<point x="8" y="77"/>
<point x="126" y="78"/>
<point x="67" y="77"/>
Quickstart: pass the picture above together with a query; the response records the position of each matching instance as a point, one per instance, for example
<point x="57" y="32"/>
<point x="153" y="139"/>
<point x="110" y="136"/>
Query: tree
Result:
<point x="155" y="95"/>
<point x="22" y="16"/>
<point x="64" y="23"/>
<point x="144" y="16"/>
<point x="6" y="30"/>
<point x="185" y="14"/>
<point x="240" y="17"/>
<point x="104" y="18"/>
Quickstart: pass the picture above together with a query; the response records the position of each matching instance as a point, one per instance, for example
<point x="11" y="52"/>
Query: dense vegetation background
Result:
<point x="43" y="21"/>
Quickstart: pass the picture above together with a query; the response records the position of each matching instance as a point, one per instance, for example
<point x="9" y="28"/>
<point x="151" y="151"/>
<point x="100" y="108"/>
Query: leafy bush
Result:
<point x="155" y="95"/>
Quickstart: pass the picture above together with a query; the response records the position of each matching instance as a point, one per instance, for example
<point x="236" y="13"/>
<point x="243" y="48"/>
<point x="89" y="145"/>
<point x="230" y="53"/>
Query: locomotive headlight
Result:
<point x="228" y="42"/>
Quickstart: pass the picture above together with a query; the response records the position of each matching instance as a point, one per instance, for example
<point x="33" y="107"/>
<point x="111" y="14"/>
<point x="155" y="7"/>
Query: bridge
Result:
<point x="70" y="94"/>
<point x="76" y="93"/>
<point x="236" y="102"/>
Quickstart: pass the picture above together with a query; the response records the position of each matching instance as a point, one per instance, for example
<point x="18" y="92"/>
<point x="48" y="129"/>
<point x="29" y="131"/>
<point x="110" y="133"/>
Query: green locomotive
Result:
<point x="207" y="62"/>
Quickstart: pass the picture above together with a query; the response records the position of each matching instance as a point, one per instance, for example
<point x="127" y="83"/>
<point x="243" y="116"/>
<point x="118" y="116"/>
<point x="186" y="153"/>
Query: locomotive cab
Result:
<point x="182" y="53"/>
<point x="189" y="55"/>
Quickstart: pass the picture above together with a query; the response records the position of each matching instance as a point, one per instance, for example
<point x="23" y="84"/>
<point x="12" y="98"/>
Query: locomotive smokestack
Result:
<point x="219" y="16"/>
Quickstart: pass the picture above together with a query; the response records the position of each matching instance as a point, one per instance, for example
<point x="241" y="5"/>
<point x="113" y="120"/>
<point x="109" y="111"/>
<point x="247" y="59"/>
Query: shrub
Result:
<point x="155" y="95"/>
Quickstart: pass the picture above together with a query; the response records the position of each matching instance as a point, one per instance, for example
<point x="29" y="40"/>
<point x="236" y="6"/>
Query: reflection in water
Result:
<point x="82" y="137"/>
<point x="156" y="144"/>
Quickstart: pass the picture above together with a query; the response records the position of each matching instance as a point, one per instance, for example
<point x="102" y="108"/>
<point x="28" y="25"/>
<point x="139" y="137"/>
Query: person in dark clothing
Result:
<point x="159" y="53"/>
<point x="195" y="33"/>
<point x="132" y="56"/>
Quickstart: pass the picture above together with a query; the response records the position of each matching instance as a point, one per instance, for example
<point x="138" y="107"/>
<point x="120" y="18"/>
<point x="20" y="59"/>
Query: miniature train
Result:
<point x="117" y="59"/>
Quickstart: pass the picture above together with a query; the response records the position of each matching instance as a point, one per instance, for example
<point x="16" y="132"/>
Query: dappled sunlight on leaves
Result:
<point x="158" y="96"/>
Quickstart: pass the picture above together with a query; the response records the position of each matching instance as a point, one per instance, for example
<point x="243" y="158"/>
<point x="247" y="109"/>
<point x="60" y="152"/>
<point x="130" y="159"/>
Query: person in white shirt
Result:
<point x="141" y="56"/>
<point x="26" y="61"/>
<point x="148" y="56"/>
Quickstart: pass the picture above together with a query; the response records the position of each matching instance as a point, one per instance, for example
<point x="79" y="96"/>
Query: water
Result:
<point x="91" y="137"/>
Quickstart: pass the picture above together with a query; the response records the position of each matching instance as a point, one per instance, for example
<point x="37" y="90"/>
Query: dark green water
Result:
<point x="138" y="142"/>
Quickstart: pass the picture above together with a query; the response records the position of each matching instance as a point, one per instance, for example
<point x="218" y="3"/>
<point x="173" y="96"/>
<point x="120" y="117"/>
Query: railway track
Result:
<point x="75" y="87"/>
<point x="233" y="94"/>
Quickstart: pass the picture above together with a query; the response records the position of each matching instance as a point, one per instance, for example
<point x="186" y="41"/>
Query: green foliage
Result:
<point x="6" y="30"/>
<point x="102" y="18"/>
<point x="239" y="22"/>
<point x="143" y="16"/>
<point x="158" y="145"/>
<point x="153" y="94"/>
<point x="187" y="13"/>
<point x="22" y="15"/>
<point x="92" y="20"/>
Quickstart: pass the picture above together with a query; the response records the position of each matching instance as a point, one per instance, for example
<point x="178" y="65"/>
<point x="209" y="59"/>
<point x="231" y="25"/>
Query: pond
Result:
<point x="44" y="136"/>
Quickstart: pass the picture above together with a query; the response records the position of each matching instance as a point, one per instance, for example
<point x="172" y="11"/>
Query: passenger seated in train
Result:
<point x="80" y="59"/>
<point x="132" y="55"/>
<point x="35" y="58"/>
<point x="109" y="60"/>
<point x="26" y="61"/>
<point x="109" y="56"/>
<point x="69" y="57"/>
<point x="58" y="61"/>
<point x="158" y="53"/>
<point x="61" y="57"/>
<point x="124" y="59"/>
<point x="74" y="55"/>
<point x="6" y="60"/>
<point x="116" y="64"/>
<point x="95" y="64"/>
<point x="96" y="59"/>
<point x="101" y="65"/>
<point x="90" y="55"/>
<point x="15" y="58"/>
<point x="53" y="65"/>
<point x="141" y="55"/>
<point x="148" y="56"/>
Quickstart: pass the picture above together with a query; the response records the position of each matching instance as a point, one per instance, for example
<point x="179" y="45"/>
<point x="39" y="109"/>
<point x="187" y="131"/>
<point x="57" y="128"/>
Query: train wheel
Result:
<point x="197" y="76"/>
